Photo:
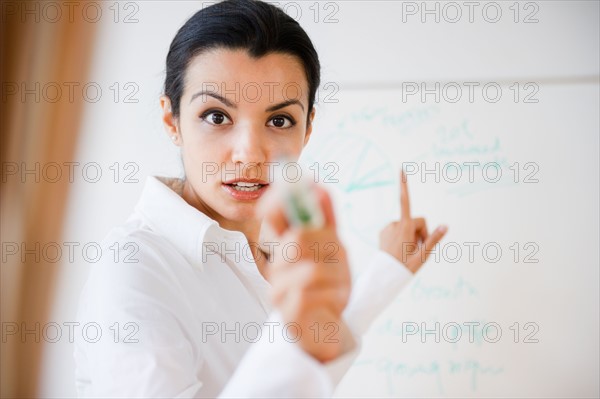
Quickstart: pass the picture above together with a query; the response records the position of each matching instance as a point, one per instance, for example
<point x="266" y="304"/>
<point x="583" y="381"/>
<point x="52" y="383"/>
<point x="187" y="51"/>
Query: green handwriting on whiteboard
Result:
<point x="420" y="291"/>
<point x="434" y="371"/>
<point x="378" y="120"/>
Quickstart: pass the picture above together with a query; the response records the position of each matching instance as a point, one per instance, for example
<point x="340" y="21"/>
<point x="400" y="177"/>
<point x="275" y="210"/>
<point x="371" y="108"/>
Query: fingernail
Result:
<point x="442" y="229"/>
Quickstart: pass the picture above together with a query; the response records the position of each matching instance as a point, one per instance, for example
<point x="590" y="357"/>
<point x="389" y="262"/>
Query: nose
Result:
<point x="249" y="145"/>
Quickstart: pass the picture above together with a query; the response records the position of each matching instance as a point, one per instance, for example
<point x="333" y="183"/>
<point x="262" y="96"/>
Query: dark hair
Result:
<point x="255" y="26"/>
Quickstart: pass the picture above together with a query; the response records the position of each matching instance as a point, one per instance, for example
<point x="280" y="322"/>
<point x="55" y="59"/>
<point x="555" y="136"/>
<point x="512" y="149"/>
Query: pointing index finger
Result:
<point x="404" y="201"/>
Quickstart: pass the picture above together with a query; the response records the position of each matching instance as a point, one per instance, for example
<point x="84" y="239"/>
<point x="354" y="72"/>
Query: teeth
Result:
<point x="245" y="184"/>
<point x="245" y="188"/>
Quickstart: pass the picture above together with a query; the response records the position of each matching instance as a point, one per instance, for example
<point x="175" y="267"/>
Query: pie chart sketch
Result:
<point x="362" y="173"/>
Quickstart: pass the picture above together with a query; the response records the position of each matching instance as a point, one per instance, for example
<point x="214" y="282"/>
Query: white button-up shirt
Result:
<point x="176" y="307"/>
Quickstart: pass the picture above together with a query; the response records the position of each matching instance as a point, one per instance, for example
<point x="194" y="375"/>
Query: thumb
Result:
<point x="431" y="241"/>
<point x="326" y="204"/>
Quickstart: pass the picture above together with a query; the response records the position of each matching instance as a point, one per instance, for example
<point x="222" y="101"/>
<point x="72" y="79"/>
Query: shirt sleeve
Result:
<point x="372" y="292"/>
<point x="277" y="367"/>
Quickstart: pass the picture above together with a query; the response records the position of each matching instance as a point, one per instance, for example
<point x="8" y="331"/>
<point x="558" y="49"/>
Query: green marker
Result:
<point x="301" y="204"/>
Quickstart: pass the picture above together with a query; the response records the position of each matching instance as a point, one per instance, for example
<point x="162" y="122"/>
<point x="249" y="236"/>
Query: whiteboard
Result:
<point x="560" y="293"/>
<point x="514" y="287"/>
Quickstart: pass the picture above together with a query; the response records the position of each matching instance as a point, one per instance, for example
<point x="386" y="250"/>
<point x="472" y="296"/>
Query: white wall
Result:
<point x="369" y="47"/>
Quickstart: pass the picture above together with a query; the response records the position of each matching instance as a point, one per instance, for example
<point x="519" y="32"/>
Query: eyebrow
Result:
<point x="232" y="105"/>
<point x="214" y="95"/>
<point x="285" y="104"/>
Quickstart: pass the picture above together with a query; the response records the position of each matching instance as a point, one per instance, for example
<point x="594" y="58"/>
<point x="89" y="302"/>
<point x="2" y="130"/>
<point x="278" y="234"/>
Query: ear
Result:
<point x="169" y="121"/>
<point x="309" y="126"/>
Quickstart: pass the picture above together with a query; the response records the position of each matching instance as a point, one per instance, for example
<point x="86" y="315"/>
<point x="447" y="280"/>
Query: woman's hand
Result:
<point x="408" y="239"/>
<point x="311" y="281"/>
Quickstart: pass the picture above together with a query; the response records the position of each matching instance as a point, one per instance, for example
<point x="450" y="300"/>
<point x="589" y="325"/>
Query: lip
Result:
<point x="244" y="195"/>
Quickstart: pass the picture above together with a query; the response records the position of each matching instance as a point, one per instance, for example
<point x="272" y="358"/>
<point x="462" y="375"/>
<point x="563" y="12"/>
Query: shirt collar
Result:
<point x="164" y="209"/>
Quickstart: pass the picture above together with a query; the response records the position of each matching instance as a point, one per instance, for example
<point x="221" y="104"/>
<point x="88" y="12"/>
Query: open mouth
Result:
<point x="243" y="186"/>
<point x="245" y="190"/>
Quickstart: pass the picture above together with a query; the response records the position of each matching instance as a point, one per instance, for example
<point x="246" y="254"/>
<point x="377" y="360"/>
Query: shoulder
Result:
<point x="135" y="247"/>
<point x="137" y="266"/>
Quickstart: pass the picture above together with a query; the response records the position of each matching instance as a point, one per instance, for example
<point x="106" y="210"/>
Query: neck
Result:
<point x="249" y="227"/>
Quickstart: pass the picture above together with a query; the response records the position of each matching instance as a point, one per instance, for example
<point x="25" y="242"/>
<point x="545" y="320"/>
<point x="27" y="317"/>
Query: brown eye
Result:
<point x="215" y="118"/>
<point x="281" y="122"/>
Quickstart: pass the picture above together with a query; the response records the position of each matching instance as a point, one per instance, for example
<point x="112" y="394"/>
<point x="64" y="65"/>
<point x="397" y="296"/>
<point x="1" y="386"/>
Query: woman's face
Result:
<point x="238" y="116"/>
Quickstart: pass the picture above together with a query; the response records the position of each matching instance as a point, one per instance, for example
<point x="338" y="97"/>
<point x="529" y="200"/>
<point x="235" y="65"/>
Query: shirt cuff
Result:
<point x="277" y="367"/>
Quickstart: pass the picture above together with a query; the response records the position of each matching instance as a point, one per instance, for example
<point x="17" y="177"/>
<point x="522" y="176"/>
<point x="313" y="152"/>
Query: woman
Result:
<point x="195" y="302"/>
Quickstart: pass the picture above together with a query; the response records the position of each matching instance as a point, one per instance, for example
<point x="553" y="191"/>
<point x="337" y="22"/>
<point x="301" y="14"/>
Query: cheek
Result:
<point x="292" y="144"/>
<point x="202" y="158"/>
<point x="299" y="147"/>
<point x="198" y="146"/>
<point x="203" y="163"/>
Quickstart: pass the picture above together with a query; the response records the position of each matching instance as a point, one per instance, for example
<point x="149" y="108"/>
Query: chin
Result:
<point x="240" y="212"/>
